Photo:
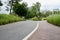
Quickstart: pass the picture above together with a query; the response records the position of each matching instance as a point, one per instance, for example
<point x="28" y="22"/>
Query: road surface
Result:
<point x="16" y="31"/>
<point x="46" y="31"/>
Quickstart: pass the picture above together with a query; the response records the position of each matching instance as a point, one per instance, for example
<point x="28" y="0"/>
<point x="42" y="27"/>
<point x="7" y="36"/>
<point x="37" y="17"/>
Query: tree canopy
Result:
<point x="20" y="9"/>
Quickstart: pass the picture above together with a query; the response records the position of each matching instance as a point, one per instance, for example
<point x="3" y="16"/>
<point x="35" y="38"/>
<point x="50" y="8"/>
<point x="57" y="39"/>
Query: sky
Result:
<point x="4" y="7"/>
<point x="45" y="4"/>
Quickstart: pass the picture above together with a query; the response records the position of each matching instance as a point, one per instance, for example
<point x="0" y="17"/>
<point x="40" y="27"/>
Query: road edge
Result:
<point x="31" y="32"/>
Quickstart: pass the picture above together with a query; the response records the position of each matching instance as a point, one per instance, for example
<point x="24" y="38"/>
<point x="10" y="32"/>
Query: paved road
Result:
<point x="16" y="31"/>
<point x="46" y="31"/>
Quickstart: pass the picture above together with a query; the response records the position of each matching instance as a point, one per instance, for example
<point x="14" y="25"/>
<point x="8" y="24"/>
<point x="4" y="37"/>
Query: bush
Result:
<point x="4" y="19"/>
<point x="43" y="18"/>
<point x="36" y="19"/>
<point x="54" y="19"/>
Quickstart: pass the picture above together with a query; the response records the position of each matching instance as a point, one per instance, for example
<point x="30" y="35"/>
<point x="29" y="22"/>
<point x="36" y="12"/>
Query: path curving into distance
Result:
<point x="46" y="31"/>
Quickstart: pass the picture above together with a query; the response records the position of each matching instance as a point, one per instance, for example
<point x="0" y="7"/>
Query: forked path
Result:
<point x="46" y="31"/>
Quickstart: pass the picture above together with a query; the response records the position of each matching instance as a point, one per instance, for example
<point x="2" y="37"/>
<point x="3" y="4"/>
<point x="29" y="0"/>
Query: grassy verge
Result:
<point x="5" y="19"/>
<point x="54" y="19"/>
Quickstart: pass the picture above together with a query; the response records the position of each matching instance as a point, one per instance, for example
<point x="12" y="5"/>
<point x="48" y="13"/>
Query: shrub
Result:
<point x="43" y="18"/>
<point x="4" y="19"/>
<point x="54" y="19"/>
<point x="36" y="19"/>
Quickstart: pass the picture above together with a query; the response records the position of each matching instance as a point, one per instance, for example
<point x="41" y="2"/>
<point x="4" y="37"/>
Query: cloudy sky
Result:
<point x="3" y="7"/>
<point x="45" y="4"/>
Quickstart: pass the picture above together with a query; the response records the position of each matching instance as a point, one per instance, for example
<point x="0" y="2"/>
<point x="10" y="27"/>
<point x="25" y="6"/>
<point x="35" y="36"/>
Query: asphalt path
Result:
<point x="17" y="31"/>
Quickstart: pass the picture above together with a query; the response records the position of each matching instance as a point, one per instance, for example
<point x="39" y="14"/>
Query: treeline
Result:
<point x="47" y="13"/>
<point x="28" y="12"/>
<point x="21" y="9"/>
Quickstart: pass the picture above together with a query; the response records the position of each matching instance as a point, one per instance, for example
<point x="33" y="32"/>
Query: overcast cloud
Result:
<point x="45" y="4"/>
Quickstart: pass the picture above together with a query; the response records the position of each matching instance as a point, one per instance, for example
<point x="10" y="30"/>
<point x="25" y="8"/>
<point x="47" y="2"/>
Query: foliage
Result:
<point x="4" y="19"/>
<point x="54" y="19"/>
<point x="11" y="3"/>
<point x="31" y="12"/>
<point x="36" y="19"/>
<point x="20" y="9"/>
<point x="46" y="13"/>
<point x="34" y="11"/>
<point x="1" y="3"/>
<point x="37" y="8"/>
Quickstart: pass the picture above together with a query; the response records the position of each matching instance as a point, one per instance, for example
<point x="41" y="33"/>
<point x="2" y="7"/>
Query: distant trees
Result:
<point x="27" y="12"/>
<point x="56" y="11"/>
<point x="34" y="11"/>
<point x="22" y="10"/>
<point x="31" y="12"/>
<point x="47" y="13"/>
<point x="37" y="8"/>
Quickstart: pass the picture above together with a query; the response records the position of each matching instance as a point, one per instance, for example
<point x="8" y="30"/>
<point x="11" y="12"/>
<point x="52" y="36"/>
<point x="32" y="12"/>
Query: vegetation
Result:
<point x="5" y="19"/>
<point x="11" y="3"/>
<point x="1" y="3"/>
<point x="54" y="19"/>
<point x="28" y="12"/>
<point x="36" y="19"/>
<point x="34" y="11"/>
<point x="20" y="9"/>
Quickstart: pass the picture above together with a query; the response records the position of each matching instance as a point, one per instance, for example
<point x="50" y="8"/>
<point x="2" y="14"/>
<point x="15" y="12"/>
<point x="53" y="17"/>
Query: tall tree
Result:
<point x="31" y="12"/>
<point x="20" y="9"/>
<point x="34" y="11"/>
<point x="37" y="8"/>
<point x="12" y="2"/>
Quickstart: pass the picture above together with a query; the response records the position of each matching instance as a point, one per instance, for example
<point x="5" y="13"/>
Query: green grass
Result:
<point x="5" y="19"/>
<point x="54" y="19"/>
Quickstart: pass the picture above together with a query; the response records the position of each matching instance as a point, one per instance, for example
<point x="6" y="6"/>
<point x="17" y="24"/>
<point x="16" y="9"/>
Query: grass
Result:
<point x="54" y="19"/>
<point x="5" y="19"/>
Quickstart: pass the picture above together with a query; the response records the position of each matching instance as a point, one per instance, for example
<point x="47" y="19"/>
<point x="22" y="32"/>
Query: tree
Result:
<point x="20" y="9"/>
<point x="37" y="9"/>
<point x="31" y="12"/>
<point x="56" y="11"/>
<point x="47" y="13"/>
<point x="0" y="5"/>
<point x="12" y="2"/>
<point x="34" y="11"/>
